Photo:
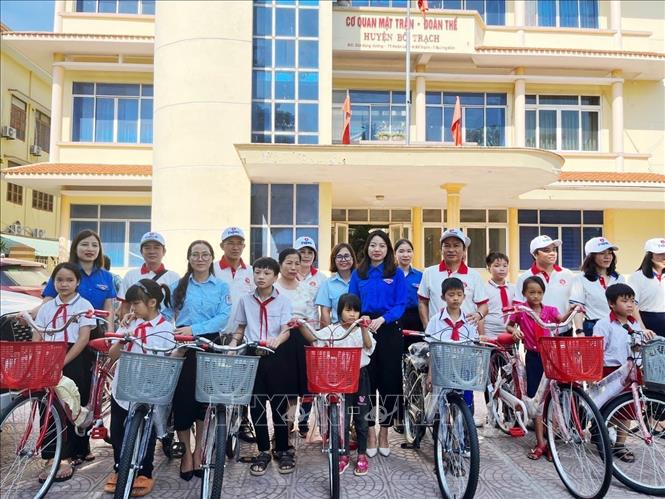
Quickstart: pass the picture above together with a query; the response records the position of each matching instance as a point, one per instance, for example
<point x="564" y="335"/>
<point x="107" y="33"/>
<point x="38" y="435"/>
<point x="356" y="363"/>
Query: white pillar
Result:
<point x="520" y="19"/>
<point x="519" y="106"/>
<point x="58" y="9"/>
<point x="203" y="58"/>
<point x="420" y="107"/>
<point x="55" y="134"/>
<point x="615" y="22"/>
<point x="617" y="119"/>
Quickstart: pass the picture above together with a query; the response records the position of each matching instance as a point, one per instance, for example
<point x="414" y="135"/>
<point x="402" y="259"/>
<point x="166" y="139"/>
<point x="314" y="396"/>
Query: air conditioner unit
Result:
<point x="15" y="229"/>
<point x="39" y="232"/>
<point x="35" y="150"/>
<point x="8" y="132"/>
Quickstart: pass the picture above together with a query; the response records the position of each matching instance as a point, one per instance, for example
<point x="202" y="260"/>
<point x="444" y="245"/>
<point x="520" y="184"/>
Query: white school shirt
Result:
<point x="278" y="314"/>
<point x="591" y="294"/>
<point x="355" y="339"/>
<point x="303" y="300"/>
<point x="430" y="287"/>
<point x="495" y="323"/>
<point x="50" y="316"/>
<point x="617" y="339"/>
<point x="649" y="293"/>
<point x="558" y="286"/>
<point x="159" y="334"/>
<point x="240" y="282"/>
<point x="442" y="331"/>
<point x="135" y="275"/>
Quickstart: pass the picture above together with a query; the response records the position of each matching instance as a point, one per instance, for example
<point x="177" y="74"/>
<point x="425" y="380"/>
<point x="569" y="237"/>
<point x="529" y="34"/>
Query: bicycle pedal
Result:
<point x="100" y="433"/>
<point x="516" y="432"/>
<point x="177" y="450"/>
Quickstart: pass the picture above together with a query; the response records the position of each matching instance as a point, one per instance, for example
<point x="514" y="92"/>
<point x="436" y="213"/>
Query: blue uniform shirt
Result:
<point x="206" y="308"/>
<point x="412" y="284"/>
<point x="96" y="287"/>
<point x="329" y="293"/>
<point x="378" y="295"/>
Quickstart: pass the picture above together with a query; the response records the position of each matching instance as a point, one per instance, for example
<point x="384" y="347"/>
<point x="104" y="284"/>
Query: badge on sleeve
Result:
<point x="102" y="287"/>
<point x="388" y="281"/>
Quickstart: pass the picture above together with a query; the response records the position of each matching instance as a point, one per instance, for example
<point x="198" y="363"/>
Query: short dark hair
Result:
<point x="333" y="255"/>
<point x="494" y="256"/>
<point x="347" y="300"/>
<point x="619" y="290"/>
<point x="147" y="289"/>
<point x="67" y="266"/>
<point x="287" y="252"/>
<point x="265" y="262"/>
<point x="530" y="279"/>
<point x="451" y="283"/>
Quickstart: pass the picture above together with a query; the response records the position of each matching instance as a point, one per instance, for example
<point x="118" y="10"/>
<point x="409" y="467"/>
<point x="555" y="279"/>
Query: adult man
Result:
<point x="453" y="245"/>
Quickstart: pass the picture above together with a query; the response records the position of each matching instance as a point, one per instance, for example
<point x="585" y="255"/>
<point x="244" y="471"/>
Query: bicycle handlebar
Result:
<point x="358" y="322"/>
<point x="89" y="314"/>
<point x="128" y="337"/>
<point x="423" y="334"/>
<point x="207" y="344"/>
<point x="547" y="325"/>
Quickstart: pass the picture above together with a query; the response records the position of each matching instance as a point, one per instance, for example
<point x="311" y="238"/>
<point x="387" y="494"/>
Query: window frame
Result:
<point x="18" y="118"/>
<point x="43" y="201"/>
<point x="117" y="5"/>
<point x="42" y="130"/>
<point x="14" y="194"/>
<point x="536" y="17"/>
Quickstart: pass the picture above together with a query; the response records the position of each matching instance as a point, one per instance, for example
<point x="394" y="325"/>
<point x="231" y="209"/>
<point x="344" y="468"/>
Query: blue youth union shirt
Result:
<point x="385" y="296"/>
<point x="96" y="287"/>
<point x="413" y="279"/>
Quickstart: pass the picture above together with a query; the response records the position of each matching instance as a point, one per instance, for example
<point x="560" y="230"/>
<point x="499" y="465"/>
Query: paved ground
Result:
<point x="505" y="473"/>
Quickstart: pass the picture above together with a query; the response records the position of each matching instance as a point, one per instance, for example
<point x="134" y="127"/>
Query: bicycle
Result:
<point x="332" y="372"/>
<point x="32" y="418"/>
<point x="632" y="403"/>
<point x="576" y="434"/>
<point x="456" y="366"/>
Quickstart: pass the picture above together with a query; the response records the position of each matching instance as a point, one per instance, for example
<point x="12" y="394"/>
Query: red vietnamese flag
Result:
<point x="422" y="5"/>
<point x="456" y="125"/>
<point x="346" y="109"/>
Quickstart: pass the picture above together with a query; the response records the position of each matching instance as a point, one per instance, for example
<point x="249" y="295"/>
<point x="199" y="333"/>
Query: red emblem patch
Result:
<point x="312" y="283"/>
<point x="562" y="282"/>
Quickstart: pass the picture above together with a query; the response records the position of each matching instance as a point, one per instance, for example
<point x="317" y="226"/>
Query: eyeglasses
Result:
<point x="343" y="258"/>
<point x="200" y="256"/>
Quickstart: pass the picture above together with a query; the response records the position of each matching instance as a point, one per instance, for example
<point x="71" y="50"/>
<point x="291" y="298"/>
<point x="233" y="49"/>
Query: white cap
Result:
<point x="152" y="236"/>
<point x="598" y="245"/>
<point x="541" y="242"/>
<point x="305" y="242"/>
<point x="655" y="245"/>
<point x="457" y="233"/>
<point x="233" y="232"/>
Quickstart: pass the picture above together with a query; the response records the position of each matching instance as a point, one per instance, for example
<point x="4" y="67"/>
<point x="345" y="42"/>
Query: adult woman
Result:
<point x="381" y="287"/>
<point x="649" y="286"/>
<point x="98" y="288"/>
<point x="200" y="306"/>
<point x="598" y="273"/>
<point x="342" y="263"/>
<point x="404" y="255"/>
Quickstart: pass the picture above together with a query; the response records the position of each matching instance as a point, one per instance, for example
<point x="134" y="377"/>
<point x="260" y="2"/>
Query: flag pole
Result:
<point x="407" y="135"/>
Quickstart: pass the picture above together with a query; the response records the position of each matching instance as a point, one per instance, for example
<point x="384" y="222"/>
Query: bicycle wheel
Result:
<point x="130" y="457"/>
<point x="503" y="415"/>
<point x="215" y="442"/>
<point x="333" y="452"/>
<point x="232" y="443"/>
<point x="21" y="462"/>
<point x="646" y="473"/>
<point x="579" y="442"/>
<point x="456" y="450"/>
<point x="414" y="404"/>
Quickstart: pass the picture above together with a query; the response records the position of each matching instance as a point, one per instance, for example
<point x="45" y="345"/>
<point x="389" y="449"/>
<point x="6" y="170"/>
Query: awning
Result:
<point x="42" y="247"/>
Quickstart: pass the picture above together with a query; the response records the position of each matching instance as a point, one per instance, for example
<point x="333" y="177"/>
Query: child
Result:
<point x="264" y="315"/>
<point x="451" y="324"/>
<point x="66" y="278"/>
<point x="145" y="299"/>
<point x="500" y="293"/>
<point x="348" y="310"/>
<point x="533" y="290"/>
<point x="617" y="329"/>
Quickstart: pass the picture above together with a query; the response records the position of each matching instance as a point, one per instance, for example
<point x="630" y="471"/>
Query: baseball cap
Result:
<point x="458" y="233"/>
<point x="152" y="236"/>
<point x="233" y="232"/>
<point x="655" y="245"/>
<point x="598" y="245"/>
<point x="305" y="242"/>
<point x="541" y="242"/>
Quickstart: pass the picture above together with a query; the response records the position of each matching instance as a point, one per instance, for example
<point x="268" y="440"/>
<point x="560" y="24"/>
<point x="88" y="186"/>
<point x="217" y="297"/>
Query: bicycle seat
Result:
<point x="505" y="339"/>
<point x="99" y="345"/>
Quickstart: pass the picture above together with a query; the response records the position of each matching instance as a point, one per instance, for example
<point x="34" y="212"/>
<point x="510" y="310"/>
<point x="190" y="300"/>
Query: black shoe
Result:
<point x="198" y="473"/>
<point x="187" y="475"/>
<point x="246" y="432"/>
<point x="399" y="428"/>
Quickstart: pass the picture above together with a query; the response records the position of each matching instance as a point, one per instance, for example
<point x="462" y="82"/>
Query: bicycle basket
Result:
<point x="12" y="329"/>
<point x="147" y="378"/>
<point x="225" y="379"/>
<point x="333" y="369"/>
<point x="653" y="365"/>
<point x="571" y="359"/>
<point x="460" y="366"/>
<point x="28" y="365"/>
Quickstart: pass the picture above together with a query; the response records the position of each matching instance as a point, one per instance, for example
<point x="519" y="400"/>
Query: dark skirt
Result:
<point x="385" y="370"/>
<point x="654" y="321"/>
<point x="411" y="321"/>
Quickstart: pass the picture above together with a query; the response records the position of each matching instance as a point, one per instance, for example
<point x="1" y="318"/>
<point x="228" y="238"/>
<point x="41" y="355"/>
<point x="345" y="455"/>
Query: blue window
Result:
<point x="262" y="52"/>
<point x="308" y="86"/>
<point x="145" y="7"/>
<point x="262" y="21"/>
<point x="262" y="117"/>
<point x="285" y="53"/>
<point x="376" y="115"/>
<point x="308" y="117"/>
<point x="285" y="22"/>
<point x="285" y="85"/>
<point x="563" y="13"/>
<point x="308" y="54"/>
<point x="285" y="117"/>
<point x="308" y="22"/>
<point x="261" y="84"/>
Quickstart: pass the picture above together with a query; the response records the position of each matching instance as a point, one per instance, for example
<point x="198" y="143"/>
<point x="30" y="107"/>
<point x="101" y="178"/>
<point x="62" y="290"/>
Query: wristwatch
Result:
<point x="579" y="331"/>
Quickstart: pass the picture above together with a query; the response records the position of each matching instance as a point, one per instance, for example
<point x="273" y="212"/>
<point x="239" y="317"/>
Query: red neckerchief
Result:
<point x="263" y="315"/>
<point x="62" y="310"/>
<point x="614" y="318"/>
<point x="145" y="269"/>
<point x="224" y="264"/>
<point x="657" y="275"/>
<point x="535" y="270"/>
<point x="602" y="282"/>
<point x="456" y="327"/>
<point x="463" y="269"/>
<point x="141" y="333"/>
<point x="505" y="301"/>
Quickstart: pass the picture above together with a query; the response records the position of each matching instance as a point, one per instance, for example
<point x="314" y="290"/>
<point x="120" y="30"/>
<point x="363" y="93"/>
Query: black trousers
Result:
<point x="118" y="420"/>
<point x="385" y="370"/>
<point x="357" y="408"/>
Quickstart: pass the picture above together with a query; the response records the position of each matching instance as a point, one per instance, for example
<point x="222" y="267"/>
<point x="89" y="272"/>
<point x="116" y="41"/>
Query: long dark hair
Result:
<point x="646" y="267"/>
<point x="84" y="234"/>
<point x="389" y="265"/>
<point x="68" y="266"/>
<point x="590" y="269"/>
<point x="181" y="289"/>
<point x="333" y="256"/>
<point x="147" y="289"/>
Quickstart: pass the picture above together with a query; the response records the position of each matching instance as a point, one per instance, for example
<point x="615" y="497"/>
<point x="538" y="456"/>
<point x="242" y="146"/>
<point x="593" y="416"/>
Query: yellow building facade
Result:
<point x="187" y="117"/>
